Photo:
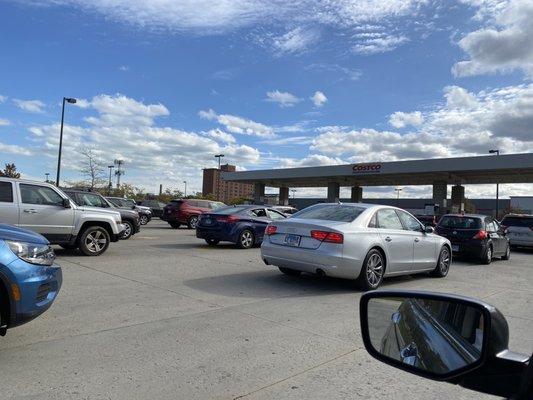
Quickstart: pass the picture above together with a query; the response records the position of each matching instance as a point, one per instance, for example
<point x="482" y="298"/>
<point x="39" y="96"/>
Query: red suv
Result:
<point x="186" y="211"/>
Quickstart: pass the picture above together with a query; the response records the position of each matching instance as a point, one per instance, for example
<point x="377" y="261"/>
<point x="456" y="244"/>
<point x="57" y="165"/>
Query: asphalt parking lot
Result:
<point x="164" y="316"/>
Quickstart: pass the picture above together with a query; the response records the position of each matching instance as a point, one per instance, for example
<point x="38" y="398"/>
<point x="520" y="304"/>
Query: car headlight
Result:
<point x="40" y="254"/>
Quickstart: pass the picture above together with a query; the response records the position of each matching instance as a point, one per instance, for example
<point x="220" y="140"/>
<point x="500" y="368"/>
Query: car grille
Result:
<point x="42" y="292"/>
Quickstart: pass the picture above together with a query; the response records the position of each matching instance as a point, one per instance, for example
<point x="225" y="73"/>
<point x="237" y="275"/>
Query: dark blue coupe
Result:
<point x="242" y="225"/>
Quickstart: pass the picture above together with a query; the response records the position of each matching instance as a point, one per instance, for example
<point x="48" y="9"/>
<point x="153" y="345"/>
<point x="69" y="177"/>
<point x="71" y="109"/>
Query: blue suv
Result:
<point x="29" y="279"/>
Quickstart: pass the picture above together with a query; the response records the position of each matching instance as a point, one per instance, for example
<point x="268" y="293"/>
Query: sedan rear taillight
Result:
<point x="230" y="219"/>
<point x="329" y="237"/>
<point x="271" y="229"/>
<point x="481" y="235"/>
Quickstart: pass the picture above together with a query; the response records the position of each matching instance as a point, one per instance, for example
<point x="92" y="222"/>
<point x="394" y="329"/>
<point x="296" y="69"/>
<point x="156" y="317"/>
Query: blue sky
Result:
<point x="166" y="85"/>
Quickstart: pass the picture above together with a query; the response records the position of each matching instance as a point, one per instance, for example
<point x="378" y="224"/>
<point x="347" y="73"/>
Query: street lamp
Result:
<point x="497" y="152"/>
<point x="110" y="184"/>
<point x="185" y="182"/>
<point x="398" y="190"/>
<point x="71" y="101"/>
<point x="219" y="156"/>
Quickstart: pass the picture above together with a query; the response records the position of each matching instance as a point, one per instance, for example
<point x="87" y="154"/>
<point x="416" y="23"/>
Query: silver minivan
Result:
<point x="519" y="229"/>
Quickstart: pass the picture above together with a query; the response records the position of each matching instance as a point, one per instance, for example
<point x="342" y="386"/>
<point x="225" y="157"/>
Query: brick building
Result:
<point x="228" y="190"/>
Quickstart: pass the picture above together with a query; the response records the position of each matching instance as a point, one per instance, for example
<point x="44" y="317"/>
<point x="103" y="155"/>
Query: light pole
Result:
<point x="110" y="184"/>
<point x="398" y="190"/>
<point x="219" y="156"/>
<point x="497" y="152"/>
<point x="70" y="100"/>
<point x="185" y="182"/>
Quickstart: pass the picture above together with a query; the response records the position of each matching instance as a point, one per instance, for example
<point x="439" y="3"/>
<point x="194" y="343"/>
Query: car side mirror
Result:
<point x="429" y="229"/>
<point x="443" y="337"/>
<point x="66" y="203"/>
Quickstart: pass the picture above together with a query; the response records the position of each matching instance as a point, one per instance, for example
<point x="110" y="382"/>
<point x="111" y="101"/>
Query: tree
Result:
<point x="92" y="168"/>
<point x="10" y="171"/>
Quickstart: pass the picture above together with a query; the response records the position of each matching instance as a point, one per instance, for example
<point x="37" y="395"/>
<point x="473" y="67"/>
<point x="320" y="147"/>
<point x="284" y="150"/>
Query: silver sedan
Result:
<point x="359" y="241"/>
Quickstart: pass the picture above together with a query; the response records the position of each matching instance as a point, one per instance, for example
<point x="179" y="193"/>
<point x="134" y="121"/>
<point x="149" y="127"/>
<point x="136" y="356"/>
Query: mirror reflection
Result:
<point x="431" y="335"/>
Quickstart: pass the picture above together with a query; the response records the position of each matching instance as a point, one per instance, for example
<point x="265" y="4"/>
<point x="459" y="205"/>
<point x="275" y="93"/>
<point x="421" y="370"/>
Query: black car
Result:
<point x="155" y="205"/>
<point x="475" y="235"/>
<point x="145" y="214"/>
<point x="130" y="218"/>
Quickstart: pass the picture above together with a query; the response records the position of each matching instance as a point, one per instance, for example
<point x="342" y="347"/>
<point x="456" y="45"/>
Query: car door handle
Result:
<point x="30" y="211"/>
<point x="417" y="240"/>
<point x="388" y="239"/>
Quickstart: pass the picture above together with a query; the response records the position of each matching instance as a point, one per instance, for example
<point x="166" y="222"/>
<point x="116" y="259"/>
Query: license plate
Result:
<point x="292" y="240"/>
<point x="455" y="247"/>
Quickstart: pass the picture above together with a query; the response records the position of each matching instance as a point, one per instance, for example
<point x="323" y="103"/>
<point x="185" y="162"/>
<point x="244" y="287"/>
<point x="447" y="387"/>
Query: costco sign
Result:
<point x="366" y="168"/>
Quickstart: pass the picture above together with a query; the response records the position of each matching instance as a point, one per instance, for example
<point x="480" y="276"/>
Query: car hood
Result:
<point x="9" y="232"/>
<point x="99" y="210"/>
<point x="127" y="213"/>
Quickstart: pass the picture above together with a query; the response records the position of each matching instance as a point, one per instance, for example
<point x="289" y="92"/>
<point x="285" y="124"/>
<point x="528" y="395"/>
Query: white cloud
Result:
<point x="239" y="125"/>
<point x="401" y="119"/>
<point x="33" y="106"/>
<point x="340" y="72"/>
<point x="283" y="99"/>
<point x="221" y="136"/>
<point x="295" y="41"/>
<point x="310" y="161"/>
<point x="3" y="98"/>
<point x="504" y="44"/>
<point x="289" y="141"/>
<point x="381" y="44"/>
<point x="14" y="149"/>
<point x="458" y="97"/>
<point x="124" y="68"/>
<point x="319" y="99"/>
<point x="4" y="122"/>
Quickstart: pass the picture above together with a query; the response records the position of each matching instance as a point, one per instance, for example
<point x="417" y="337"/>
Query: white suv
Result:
<point x="45" y="209"/>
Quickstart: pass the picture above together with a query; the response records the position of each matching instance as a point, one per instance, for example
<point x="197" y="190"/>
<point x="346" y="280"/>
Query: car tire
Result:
<point x="372" y="271"/>
<point x="443" y="263"/>
<point x="128" y="230"/>
<point x="507" y="254"/>
<point x="212" y="242"/>
<point x="174" y="225"/>
<point x="94" y="241"/>
<point x="487" y="257"/>
<point x="290" y="272"/>
<point x="143" y="219"/>
<point x="193" y="222"/>
<point x="246" y="239"/>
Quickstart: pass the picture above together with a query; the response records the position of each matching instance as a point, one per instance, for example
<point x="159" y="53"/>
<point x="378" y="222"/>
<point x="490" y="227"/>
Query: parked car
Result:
<point x="29" y="279"/>
<point x="45" y="209"/>
<point x="477" y="236"/>
<point x="519" y="229"/>
<point x="186" y="211"/>
<point x="155" y="206"/>
<point x="355" y="241"/>
<point x="242" y="225"/>
<point x="286" y="209"/>
<point x="130" y="218"/>
<point x="145" y="214"/>
<point x="427" y="220"/>
<point x="447" y="338"/>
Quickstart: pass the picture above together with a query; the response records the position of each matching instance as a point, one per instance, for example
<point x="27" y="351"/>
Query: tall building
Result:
<point x="227" y="191"/>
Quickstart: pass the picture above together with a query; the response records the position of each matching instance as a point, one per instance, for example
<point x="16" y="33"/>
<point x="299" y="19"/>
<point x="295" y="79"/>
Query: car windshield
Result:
<point x="522" y="222"/>
<point x="336" y="212"/>
<point x="460" y="222"/>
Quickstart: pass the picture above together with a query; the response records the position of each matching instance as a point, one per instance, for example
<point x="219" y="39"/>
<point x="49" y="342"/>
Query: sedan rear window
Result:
<point x="228" y="210"/>
<point x="460" y="222"/>
<point x="338" y="212"/>
<point x="523" y="222"/>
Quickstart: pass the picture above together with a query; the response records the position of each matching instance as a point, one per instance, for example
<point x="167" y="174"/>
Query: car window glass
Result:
<point x="387" y="219"/>
<point x="92" y="200"/>
<point x="259" y="212"/>
<point x="491" y="227"/>
<point x="409" y="222"/>
<point x="34" y="194"/>
<point x="523" y="222"/>
<point x="192" y="203"/>
<point x="330" y="212"/>
<point x="6" y="192"/>
<point x="373" y="221"/>
<point x="272" y="214"/>
<point x="460" y="222"/>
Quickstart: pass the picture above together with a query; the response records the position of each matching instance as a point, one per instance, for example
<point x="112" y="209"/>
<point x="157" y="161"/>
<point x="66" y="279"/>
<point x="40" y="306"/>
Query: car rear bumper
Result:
<point x="466" y="249"/>
<point x="222" y="236"/>
<point x="519" y="241"/>
<point x="38" y="290"/>
<point x="311" y="261"/>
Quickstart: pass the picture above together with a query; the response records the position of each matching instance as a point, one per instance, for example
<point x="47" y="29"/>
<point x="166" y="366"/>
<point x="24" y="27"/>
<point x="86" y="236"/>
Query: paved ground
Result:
<point x="163" y="316"/>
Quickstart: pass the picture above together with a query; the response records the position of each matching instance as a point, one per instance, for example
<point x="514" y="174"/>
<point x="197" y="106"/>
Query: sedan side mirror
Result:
<point x="66" y="203"/>
<point x="444" y="337"/>
<point x="429" y="229"/>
